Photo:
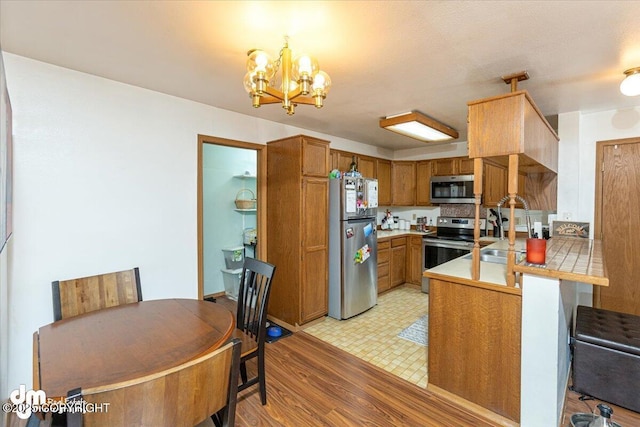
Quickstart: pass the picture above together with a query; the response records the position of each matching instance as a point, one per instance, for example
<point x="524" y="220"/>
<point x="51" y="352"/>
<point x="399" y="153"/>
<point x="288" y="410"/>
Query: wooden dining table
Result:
<point x="125" y="342"/>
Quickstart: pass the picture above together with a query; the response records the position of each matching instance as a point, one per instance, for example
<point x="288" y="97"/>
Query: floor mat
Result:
<point x="417" y="331"/>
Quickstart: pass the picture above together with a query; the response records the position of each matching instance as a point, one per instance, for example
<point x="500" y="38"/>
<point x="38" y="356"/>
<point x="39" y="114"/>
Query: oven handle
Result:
<point x="448" y="244"/>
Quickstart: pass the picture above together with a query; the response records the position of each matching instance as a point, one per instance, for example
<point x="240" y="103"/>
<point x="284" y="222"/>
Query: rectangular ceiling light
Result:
<point x="417" y="125"/>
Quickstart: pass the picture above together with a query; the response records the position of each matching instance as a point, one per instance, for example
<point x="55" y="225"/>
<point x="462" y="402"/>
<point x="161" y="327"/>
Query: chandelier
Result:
<point x="300" y="80"/>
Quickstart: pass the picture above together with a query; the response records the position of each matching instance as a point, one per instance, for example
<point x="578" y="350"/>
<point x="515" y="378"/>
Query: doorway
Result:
<point x="617" y="223"/>
<point x="228" y="170"/>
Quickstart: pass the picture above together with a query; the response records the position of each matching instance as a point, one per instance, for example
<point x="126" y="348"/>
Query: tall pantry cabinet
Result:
<point x="297" y="227"/>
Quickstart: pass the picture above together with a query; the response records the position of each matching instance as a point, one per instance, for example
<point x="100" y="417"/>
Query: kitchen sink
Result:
<point x="494" y="252"/>
<point x="497" y="256"/>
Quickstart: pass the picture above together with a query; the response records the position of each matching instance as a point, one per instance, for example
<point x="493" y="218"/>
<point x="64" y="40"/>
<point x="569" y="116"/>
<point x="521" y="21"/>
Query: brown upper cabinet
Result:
<point x="403" y="183"/>
<point x="342" y="161"/>
<point x="423" y="183"/>
<point x="512" y="124"/>
<point x="383" y="168"/>
<point x="495" y="185"/>
<point x="452" y="166"/>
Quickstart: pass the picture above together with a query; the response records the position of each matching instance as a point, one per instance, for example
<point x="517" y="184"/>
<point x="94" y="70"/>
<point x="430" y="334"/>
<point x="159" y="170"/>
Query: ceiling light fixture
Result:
<point x="417" y="125"/>
<point x="630" y="86"/>
<point x="300" y="82"/>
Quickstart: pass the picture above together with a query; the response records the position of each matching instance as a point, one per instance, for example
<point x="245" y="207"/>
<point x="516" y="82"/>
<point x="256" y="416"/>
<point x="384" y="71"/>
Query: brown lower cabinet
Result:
<point x="384" y="281"/>
<point x="414" y="260"/>
<point x="474" y="344"/>
<point x="398" y="262"/>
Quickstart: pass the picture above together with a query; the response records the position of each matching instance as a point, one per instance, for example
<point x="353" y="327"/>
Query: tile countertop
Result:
<point x="571" y="258"/>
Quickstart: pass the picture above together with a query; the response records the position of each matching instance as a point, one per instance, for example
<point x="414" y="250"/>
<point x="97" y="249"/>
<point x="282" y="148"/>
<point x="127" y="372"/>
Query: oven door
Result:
<point x="438" y="251"/>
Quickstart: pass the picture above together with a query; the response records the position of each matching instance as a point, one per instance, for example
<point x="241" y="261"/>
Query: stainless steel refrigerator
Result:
<point x="353" y="246"/>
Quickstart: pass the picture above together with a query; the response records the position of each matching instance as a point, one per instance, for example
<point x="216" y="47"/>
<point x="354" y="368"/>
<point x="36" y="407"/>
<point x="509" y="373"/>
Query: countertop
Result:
<point x="385" y="234"/>
<point x="571" y="258"/>
<point x="490" y="273"/>
<point x="568" y="258"/>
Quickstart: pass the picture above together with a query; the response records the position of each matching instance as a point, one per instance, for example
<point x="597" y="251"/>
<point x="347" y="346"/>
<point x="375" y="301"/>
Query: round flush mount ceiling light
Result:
<point x="630" y="86"/>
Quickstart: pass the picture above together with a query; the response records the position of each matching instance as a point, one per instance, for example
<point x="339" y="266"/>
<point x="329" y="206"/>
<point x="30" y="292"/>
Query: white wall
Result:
<point x="577" y="169"/>
<point x="578" y="136"/>
<point x="105" y="179"/>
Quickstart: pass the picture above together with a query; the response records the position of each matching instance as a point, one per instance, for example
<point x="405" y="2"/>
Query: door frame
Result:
<point x="597" y="217"/>
<point x="261" y="189"/>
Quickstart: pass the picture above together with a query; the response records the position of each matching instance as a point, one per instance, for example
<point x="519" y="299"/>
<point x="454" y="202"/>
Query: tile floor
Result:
<point x="373" y="335"/>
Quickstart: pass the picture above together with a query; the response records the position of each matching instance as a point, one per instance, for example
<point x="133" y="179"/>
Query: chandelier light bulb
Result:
<point x="249" y="84"/>
<point x="260" y="61"/>
<point x="321" y="82"/>
<point x="304" y="66"/>
<point x="630" y="86"/>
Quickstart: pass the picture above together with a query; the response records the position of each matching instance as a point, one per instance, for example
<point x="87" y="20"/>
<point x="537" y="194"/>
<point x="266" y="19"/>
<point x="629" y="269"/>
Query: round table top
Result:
<point x="126" y="342"/>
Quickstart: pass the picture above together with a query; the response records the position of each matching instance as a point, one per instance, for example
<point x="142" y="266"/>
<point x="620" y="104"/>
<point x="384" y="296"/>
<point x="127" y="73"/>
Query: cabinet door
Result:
<point x="403" y="183"/>
<point x="414" y="267"/>
<point x="314" y="287"/>
<point x="315" y="157"/>
<point x="465" y="166"/>
<point x="442" y="167"/>
<point x="521" y="190"/>
<point x="423" y="183"/>
<point x="384" y="282"/>
<point x="494" y="184"/>
<point x="344" y="161"/>
<point x="334" y="157"/>
<point x="383" y="168"/>
<point x="398" y="261"/>
<point x="367" y="166"/>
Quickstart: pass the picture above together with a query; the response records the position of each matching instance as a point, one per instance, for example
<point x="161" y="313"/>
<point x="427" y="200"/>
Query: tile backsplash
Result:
<point x="461" y="210"/>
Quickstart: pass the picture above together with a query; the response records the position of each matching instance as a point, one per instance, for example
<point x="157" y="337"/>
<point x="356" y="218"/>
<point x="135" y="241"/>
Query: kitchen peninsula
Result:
<point x="479" y="311"/>
<point x="505" y="348"/>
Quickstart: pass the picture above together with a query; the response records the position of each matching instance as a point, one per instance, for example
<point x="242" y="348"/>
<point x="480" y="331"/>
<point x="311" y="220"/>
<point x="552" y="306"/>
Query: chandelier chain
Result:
<point x="276" y="64"/>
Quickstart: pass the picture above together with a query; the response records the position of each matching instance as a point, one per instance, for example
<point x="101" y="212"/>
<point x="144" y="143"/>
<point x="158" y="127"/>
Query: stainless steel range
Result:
<point x="454" y="238"/>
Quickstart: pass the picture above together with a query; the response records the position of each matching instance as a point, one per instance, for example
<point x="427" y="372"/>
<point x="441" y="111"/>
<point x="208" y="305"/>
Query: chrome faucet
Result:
<point x="526" y="213"/>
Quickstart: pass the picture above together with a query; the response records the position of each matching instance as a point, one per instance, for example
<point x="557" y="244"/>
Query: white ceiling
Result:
<point x="384" y="57"/>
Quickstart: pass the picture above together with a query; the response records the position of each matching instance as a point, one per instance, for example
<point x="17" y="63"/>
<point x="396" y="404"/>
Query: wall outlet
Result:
<point x="414" y="216"/>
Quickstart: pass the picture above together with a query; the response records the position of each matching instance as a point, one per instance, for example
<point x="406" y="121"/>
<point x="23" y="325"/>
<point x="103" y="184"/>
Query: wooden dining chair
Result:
<point x="77" y="296"/>
<point x="182" y="396"/>
<point x="251" y="318"/>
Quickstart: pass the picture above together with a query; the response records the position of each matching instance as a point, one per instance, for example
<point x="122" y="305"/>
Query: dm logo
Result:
<point x="26" y="400"/>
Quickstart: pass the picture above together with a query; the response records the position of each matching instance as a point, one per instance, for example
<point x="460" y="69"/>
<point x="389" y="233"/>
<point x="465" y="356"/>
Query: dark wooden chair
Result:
<point x="182" y="396"/>
<point x="77" y="296"/>
<point x="251" y="318"/>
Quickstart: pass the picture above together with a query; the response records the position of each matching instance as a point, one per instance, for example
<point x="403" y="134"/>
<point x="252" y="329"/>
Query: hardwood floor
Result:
<point x="310" y="383"/>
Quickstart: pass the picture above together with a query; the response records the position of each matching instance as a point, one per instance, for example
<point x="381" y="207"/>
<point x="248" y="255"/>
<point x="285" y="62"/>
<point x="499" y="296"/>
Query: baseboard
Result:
<point x="471" y="407"/>
<point x="292" y="328"/>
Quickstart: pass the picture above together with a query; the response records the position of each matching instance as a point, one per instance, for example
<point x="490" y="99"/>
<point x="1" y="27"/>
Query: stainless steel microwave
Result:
<point x="452" y="189"/>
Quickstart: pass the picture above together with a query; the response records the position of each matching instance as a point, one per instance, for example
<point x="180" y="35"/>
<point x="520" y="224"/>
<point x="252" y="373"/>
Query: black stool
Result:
<point x="606" y="357"/>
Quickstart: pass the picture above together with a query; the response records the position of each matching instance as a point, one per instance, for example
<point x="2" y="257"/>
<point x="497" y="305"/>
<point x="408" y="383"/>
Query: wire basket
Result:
<point x="245" y="203"/>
